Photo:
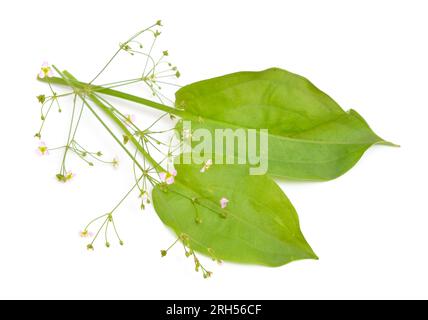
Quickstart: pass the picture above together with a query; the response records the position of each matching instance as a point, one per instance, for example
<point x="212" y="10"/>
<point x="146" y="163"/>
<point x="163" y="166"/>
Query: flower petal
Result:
<point x="223" y="202"/>
<point x="170" y="180"/>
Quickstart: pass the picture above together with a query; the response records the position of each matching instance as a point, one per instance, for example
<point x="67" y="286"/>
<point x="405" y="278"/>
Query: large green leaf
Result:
<point x="259" y="225"/>
<point x="310" y="136"/>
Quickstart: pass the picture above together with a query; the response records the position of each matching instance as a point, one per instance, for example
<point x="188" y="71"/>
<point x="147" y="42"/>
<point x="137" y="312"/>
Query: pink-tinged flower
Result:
<point x="168" y="177"/>
<point x="223" y="202"/>
<point x="42" y="149"/>
<point x="85" y="234"/>
<point x="45" y="71"/>
<point x="207" y="165"/>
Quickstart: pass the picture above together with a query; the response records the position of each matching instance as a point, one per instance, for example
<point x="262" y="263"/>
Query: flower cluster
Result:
<point x="141" y="145"/>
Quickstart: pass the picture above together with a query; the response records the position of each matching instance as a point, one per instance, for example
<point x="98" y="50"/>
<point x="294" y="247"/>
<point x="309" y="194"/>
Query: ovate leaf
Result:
<point x="310" y="136"/>
<point x="258" y="226"/>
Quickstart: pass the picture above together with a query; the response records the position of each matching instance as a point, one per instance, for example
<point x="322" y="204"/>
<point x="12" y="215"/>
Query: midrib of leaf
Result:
<point x="323" y="161"/>
<point x="221" y="122"/>
<point x="181" y="113"/>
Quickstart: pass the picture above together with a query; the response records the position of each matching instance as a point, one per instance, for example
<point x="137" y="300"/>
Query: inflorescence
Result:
<point x="141" y="145"/>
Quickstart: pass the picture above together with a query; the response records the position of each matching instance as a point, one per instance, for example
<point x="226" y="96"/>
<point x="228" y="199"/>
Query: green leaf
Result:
<point x="258" y="226"/>
<point x="310" y="136"/>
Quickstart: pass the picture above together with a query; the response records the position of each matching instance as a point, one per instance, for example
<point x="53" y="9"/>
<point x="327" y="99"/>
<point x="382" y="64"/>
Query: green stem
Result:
<point x="126" y="132"/>
<point x="67" y="146"/>
<point x="121" y="95"/>
<point x="119" y="123"/>
<point x="69" y="83"/>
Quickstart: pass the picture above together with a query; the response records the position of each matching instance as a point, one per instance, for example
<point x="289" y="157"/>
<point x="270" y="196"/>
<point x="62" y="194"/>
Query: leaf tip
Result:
<point x="308" y="252"/>
<point x="390" y="144"/>
<point x="311" y="254"/>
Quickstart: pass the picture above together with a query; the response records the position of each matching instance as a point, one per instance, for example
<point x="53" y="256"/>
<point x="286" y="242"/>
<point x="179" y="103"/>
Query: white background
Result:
<point x="369" y="227"/>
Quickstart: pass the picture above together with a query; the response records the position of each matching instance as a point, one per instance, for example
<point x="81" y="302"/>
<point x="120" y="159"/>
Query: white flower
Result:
<point x="168" y="177"/>
<point x="223" y="202"/>
<point x="45" y="71"/>
<point x="85" y="234"/>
